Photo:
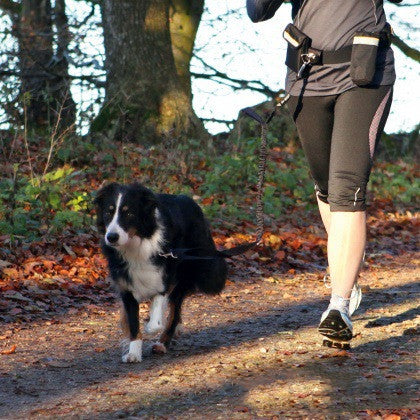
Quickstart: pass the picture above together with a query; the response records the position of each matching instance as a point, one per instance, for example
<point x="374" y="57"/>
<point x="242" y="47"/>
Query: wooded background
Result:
<point x="138" y="89"/>
<point x="94" y="91"/>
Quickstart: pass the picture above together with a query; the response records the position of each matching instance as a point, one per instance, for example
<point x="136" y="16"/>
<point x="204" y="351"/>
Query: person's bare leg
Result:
<point x="346" y="245"/>
<point x="324" y="210"/>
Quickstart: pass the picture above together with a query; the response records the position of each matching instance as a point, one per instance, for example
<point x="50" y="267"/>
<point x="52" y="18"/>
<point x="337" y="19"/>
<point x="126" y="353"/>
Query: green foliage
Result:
<point x="221" y="177"/>
<point x="232" y="176"/>
<point x="49" y="203"/>
<point x="396" y="181"/>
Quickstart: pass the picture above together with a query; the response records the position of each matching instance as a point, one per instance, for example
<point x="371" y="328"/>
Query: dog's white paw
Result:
<point x="159" y="348"/>
<point x="153" y="327"/>
<point x="131" y="358"/>
<point x="134" y="354"/>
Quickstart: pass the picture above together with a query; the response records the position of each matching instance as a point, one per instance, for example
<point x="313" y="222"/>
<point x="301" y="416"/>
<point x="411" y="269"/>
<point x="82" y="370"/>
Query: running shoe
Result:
<point x="336" y="326"/>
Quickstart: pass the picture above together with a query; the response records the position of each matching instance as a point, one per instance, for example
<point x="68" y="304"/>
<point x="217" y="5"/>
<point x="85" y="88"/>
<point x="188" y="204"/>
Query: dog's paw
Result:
<point x="131" y="358"/>
<point x="153" y="327"/>
<point x="134" y="352"/>
<point x="159" y="348"/>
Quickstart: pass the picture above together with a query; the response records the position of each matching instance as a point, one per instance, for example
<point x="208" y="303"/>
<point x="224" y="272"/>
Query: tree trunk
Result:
<point x="45" y="87"/>
<point x="184" y="19"/>
<point x="35" y="54"/>
<point x="62" y="93"/>
<point x="145" y="97"/>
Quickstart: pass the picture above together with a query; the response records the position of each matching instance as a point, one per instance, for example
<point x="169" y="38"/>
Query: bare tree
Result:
<point x="44" y="93"/>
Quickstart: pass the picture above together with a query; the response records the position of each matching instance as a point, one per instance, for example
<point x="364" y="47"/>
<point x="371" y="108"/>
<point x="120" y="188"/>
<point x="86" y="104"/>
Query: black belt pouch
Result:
<point x="363" y="57"/>
<point x="297" y="44"/>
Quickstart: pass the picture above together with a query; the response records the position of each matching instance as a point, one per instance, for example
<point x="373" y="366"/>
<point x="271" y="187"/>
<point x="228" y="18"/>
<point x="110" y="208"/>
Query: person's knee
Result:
<point x="347" y="192"/>
<point x="321" y="192"/>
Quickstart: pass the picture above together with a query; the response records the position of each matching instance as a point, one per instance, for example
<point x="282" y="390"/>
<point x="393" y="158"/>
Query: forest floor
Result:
<point x="251" y="352"/>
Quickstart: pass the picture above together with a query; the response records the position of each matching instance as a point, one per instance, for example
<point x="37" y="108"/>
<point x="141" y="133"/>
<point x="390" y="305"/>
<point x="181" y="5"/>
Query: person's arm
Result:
<point x="260" y="10"/>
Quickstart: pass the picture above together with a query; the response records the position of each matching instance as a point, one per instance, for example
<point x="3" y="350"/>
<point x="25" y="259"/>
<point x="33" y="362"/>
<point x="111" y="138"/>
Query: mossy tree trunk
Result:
<point x="148" y="91"/>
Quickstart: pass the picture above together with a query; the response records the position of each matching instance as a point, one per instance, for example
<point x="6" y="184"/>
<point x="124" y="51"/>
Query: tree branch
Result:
<point x="218" y="120"/>
<point x="235" y="84"/>
<point x="406" y="49"/>
<point x="91" y="79"/>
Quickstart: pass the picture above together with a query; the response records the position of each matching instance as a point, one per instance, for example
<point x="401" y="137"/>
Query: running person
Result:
<point x="339" y="124"/>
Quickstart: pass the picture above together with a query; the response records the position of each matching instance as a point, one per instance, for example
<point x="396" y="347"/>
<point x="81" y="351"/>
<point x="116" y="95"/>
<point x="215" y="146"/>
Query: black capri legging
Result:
<point x="339" y="134"/>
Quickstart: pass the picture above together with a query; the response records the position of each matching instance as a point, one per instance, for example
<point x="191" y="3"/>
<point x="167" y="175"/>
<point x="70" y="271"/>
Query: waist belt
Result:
<point x="342" y="55"/>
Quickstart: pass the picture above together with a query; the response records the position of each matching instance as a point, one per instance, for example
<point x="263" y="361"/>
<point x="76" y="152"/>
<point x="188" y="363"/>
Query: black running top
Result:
<point x="331" y="24"/>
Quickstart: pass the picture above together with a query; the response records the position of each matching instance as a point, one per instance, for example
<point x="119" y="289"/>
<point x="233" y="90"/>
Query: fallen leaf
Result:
<point x="392" y="417"/>
<point x="341" y="353"/>
<point x="280" y="255"/>
<point x="9" y="351"/>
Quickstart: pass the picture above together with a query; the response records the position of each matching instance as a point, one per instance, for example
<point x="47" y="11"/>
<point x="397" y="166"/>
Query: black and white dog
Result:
<point x="139" y="228"/>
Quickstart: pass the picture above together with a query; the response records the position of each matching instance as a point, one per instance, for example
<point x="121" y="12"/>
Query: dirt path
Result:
<point x="252" y="351"/>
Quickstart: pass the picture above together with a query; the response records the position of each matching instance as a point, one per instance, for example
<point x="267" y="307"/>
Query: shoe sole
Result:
<point x="334" y="328"/>
<point x="343" y="345"/>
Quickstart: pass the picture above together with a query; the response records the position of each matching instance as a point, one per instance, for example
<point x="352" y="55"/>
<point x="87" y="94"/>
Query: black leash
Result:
<point x="199" y="253"/>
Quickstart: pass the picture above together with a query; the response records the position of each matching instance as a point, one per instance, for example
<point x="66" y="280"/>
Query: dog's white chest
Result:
<point x="146" y="278"/>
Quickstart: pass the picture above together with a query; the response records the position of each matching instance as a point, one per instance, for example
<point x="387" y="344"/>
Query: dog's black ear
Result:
<point x="98" y="201"/>
<point x="144" y="197"/>
<point x="103" y="192"/>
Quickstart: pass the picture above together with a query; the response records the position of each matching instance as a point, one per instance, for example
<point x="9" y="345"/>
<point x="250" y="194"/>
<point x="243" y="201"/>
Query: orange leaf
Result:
<point x="10" y="272"/>
<point x="48" y="264"/>
<point x="295" y="244"/>
<point x="9" y="351"/>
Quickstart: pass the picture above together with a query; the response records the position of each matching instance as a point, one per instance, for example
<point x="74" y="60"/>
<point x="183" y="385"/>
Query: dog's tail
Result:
<point x="213" y="278"/>
<point x="204" y="275"/>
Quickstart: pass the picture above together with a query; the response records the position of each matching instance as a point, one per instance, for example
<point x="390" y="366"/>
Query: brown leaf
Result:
<point x="341" y="353"/>
<point x="9" y="351"/>
<point x="48" y="264"/>
<point x="11" y="272"/>
<point x="295" y="244"/>
<point x="280" y="255"/>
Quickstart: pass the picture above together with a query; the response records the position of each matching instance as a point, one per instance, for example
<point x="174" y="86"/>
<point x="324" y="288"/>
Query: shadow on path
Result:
<point x="85" y="370"/>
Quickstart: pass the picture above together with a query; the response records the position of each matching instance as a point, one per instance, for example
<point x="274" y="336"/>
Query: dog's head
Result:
<point x="125" y="212"/>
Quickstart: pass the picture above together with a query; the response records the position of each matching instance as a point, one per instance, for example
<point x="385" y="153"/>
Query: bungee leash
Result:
<point x="203" y="254"/>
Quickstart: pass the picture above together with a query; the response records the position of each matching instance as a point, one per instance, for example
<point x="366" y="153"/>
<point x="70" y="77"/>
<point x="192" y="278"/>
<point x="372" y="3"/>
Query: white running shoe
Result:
<point x="355" y="298"/>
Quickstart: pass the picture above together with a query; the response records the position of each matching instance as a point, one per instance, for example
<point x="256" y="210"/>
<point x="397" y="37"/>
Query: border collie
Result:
<point x="140" y="228"/>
